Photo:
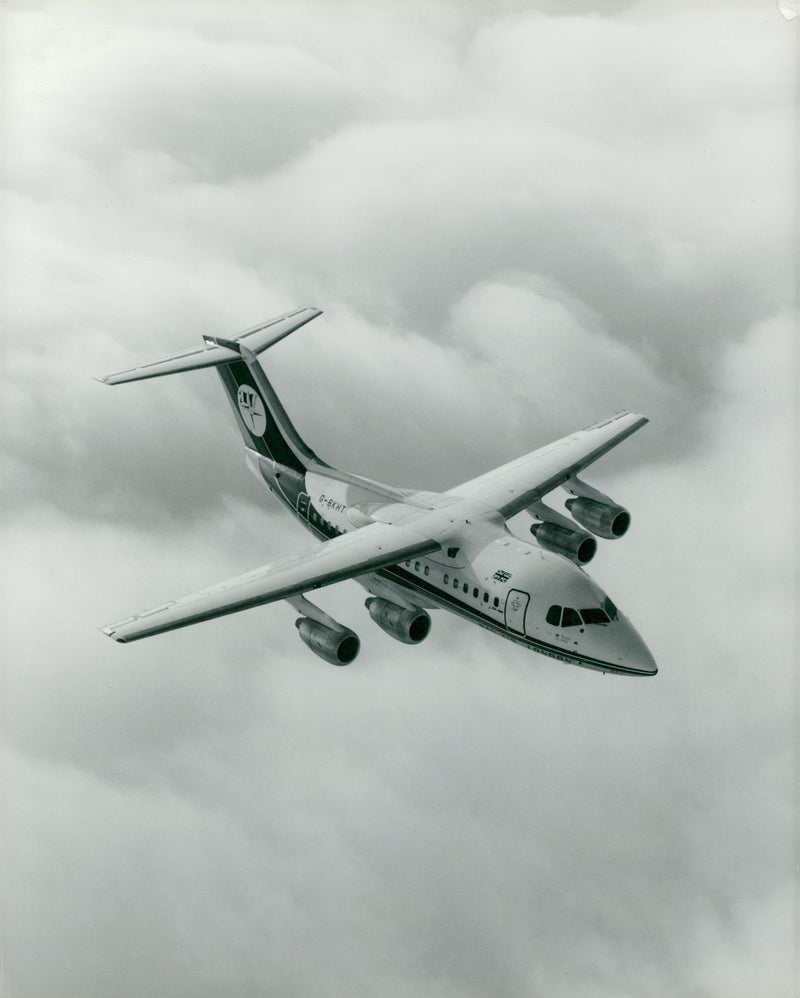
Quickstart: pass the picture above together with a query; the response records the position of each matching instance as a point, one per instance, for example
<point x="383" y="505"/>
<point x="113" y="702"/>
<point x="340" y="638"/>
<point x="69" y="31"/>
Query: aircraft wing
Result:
<point x="366" y="549"/>
<point x="513" y="487"/>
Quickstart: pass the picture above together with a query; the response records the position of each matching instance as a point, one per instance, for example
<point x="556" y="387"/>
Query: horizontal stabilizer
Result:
<point x="364" y="550"/>
<point x="218" y="350"/>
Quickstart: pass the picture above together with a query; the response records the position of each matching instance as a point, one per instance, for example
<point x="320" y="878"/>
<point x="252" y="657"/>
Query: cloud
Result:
<point x="461" y="816"/>
<point x="516" y="220"/>
<point x="142" y="197"/>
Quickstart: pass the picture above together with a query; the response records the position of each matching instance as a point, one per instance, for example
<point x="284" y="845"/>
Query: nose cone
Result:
<point x="637" y="658"/>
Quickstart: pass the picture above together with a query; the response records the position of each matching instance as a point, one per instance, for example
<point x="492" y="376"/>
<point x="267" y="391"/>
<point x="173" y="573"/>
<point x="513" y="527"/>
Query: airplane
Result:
<point x="414" y="551"/>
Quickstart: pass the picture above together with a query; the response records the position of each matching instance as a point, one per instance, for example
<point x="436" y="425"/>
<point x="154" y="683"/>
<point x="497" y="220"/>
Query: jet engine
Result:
<point x="604" y="519"/>
<point x="573" y="544"/>
<point x="408" y="626"/>
<point x="336" y="647"/>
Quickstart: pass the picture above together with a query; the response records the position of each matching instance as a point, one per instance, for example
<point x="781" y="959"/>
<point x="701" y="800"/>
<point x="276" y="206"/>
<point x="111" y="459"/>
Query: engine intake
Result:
<point x="336" y="647"/>
<point x="605" y="520"/>
<point x="573" y="544"/>
<point x="408" y="626"/>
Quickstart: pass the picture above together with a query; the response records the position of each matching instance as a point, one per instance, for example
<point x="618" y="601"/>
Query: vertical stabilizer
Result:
<point x="262" y="420"/>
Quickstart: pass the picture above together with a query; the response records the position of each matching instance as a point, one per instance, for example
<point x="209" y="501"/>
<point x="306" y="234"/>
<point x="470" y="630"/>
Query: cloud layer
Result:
<point x="517" y="220"/>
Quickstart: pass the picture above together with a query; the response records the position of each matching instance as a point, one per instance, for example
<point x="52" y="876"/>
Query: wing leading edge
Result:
<point x="514" y="486"/>
<point x="367" y="549"/>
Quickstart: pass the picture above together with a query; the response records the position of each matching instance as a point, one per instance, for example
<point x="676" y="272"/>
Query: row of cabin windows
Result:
<point x="475" y="591"/>
<point x="465" y="587"/>
<point x="557" y="616"/>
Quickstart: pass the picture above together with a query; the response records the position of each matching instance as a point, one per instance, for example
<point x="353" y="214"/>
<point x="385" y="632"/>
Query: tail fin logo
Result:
<point x="252" y="410"/>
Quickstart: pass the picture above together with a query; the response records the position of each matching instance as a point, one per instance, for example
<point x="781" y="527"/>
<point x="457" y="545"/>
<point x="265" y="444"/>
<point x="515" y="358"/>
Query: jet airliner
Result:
<point x="416" y="551"/>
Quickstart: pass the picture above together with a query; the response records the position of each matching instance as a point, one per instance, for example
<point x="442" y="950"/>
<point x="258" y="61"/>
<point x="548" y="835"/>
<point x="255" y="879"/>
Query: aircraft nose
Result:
<point x="638" y="657"/>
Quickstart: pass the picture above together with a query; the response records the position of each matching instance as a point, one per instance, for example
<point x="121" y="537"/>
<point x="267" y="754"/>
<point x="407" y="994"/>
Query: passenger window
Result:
<point x="485" y="597"/>
<point x="475" y="592"/>
<point x="570" y="618"/>
<point x="427" y="570"/>
<point x="497" y="601"/>
<point x="455" y="583"/>
<point x="465" y="587"/>
<point x="416" y="566"/>
<point x="446" y="579"/>
<point x="554" y="616"/>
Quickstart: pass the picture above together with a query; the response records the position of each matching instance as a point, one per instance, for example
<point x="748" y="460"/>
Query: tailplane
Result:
<point x="218" y="350"/>
<point x="262" y="420"/>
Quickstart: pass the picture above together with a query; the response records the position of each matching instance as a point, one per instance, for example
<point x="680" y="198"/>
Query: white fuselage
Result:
<point x="484" y="574"/>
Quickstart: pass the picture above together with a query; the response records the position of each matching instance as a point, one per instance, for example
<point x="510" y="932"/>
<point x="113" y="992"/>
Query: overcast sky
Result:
<point x="518" y="218"/>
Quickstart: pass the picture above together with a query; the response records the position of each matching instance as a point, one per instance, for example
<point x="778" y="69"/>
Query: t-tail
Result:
<point x="260" y="416"/>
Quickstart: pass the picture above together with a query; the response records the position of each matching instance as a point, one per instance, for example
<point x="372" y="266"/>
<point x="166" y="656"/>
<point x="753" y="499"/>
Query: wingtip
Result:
<point x="639" y="418"/>
<point x="111" y="631"/>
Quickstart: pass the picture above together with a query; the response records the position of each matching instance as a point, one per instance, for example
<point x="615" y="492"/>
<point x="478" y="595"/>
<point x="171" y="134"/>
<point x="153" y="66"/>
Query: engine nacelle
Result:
<point x="336" y="647"/>
<point x="605" y="520"/>
<point x="573" y="544"/>
<point x="408" y="626"/>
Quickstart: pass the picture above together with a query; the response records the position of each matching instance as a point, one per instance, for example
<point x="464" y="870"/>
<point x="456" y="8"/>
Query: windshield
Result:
<point x="594" y="615"/>
<point x="566" y="616"/>
<point x="610" y="609"/>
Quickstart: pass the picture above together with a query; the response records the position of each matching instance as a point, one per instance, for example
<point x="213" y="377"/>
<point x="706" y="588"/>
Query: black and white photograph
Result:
<point x="400" y="480"/>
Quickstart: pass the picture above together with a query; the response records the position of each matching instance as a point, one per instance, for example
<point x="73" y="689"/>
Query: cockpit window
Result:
<point x="594" y="615"/>
<point x="610" y="609"/>
<point x="568" y="617"/>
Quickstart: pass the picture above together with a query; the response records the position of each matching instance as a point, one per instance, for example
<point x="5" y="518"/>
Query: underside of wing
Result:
<point x="368" y="549"/>
<point x="513" y="487"/>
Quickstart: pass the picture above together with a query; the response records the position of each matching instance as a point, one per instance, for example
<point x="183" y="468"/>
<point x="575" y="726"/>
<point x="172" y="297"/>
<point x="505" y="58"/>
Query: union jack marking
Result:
<point x="501" y="576"/>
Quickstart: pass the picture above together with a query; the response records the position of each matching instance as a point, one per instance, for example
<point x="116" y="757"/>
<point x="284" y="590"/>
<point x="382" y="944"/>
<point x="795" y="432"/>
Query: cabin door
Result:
<point x="516" y="607"/>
